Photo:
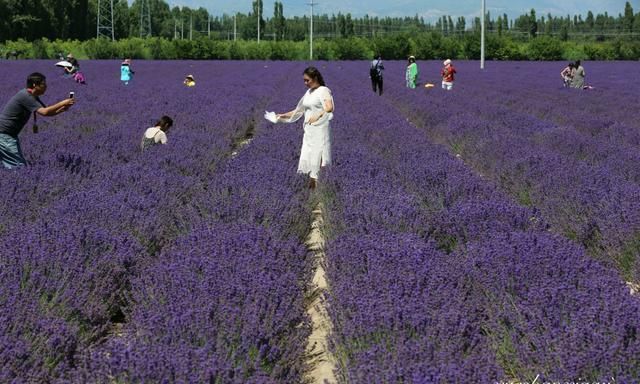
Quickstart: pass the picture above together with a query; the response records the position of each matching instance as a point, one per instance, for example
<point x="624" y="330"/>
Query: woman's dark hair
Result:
<point x="313" y="73"/>
<point x="36" y="78"/>
<point x="577" y="64"/>
<point x="165" y="121"/>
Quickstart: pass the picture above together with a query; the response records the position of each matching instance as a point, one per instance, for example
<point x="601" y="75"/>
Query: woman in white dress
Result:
<point x="317" y="108"/>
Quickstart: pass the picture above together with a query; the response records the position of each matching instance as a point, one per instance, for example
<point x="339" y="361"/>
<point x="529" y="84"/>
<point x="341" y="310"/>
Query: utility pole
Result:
<point x="191" y="28"/>
<point x="482" y="27"/>
<point x="235" y="25"/>
<point x="175" y="29"/>
<point x="145" y="19"/>
<point x="181" y="29"/>
<point x="311" y="31"/>
<point x="105" y="19"/>
<point x="209" y="27"/>
<point x="258" y="17"/>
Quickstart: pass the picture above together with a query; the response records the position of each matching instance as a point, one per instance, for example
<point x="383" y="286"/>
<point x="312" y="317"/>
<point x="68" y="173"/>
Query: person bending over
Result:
<point x="156" y="134"/>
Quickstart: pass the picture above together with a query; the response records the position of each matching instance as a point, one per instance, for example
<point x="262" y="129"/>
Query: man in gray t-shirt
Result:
<point x="16" y="114"/>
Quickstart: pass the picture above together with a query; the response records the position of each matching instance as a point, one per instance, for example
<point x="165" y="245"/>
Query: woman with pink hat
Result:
<point x="447" y="74"/>
<point x="126" y="74"/>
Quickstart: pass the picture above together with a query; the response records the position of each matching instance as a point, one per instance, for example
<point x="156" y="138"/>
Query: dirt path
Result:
<point x="319" y="358"/>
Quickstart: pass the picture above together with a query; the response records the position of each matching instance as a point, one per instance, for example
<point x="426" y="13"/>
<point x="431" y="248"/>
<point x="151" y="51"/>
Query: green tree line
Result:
<point x="77" y="20"/>
<point x="43" y="29"/>
<point x="423" y="45"/>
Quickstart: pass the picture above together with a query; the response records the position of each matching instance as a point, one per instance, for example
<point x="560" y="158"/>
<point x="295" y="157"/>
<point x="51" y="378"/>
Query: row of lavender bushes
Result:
<point x="437" y="276"/>
<point x="179" y="264"/>
<point x="567" y="152"/>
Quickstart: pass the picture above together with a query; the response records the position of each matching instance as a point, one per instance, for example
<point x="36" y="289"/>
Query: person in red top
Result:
<point x="447" y="75"/>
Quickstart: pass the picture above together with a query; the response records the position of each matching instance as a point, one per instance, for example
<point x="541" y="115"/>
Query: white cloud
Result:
<point x="433" y="14"/>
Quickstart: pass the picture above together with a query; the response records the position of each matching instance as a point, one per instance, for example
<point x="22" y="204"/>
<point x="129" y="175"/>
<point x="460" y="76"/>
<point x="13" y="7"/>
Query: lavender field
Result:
<point x="481" y="235"/>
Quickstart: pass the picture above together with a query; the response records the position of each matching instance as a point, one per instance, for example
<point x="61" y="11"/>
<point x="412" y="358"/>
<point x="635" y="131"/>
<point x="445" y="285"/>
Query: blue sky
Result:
<point x="430" y="10"/>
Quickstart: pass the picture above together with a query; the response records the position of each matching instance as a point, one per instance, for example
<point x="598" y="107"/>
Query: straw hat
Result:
<point x="70" y="56"/>
<point x="190" y="77"/>
<point x="447" y="62"/>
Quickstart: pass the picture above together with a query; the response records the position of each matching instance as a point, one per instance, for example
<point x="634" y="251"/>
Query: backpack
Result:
<point x="373" y="71"/>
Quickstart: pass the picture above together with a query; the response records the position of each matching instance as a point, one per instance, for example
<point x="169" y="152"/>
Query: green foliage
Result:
<point x="286" y="50"/>
<point x="600" y="51"/>
<point x="133" y="48"/>
<point x="394" y="46"/>
<point x="255" y="51"/>
<point x="353" y="49"/>
<point x="544" y="48"/>
<point x="574" y="51"/>
<point x="161" y="49"/>
<point x="33" y="20"/>
<point x="21" y="47"/>
<point x="470" y="47"/>
<point x="39" y="48"/>
<point x="626" y="49"/>
<point x="424" y="45"/>
<point x="100" y="49"/>
<point x="64" y="47"/>
<point x="323" y="50"/>
<point x="503" y="49"/>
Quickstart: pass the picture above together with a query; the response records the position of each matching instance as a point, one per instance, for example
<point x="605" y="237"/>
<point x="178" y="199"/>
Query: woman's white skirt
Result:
<point x="316" y="149"/>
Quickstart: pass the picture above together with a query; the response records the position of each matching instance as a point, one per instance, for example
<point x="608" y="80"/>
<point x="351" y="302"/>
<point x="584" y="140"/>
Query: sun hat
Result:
<point x="447" y="62"/>
<point x="412" y="57"/>
<point x="190" y="77"/>
<point x="69" y="56"/>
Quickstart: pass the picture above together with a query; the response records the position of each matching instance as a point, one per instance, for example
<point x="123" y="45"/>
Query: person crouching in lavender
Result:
<point x="16" y="114"/>
<point x="578" y="75"/>
<point x="317" y="108"/>
<point x="566" y="75"/>
<point x="156" y="134"/>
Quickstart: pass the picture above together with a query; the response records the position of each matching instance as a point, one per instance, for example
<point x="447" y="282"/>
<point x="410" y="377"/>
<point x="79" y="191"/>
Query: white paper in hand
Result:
<point x="271" y="116"/>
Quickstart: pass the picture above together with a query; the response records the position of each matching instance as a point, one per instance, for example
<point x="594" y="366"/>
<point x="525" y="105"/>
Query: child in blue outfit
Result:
<point x="126" y="74"/>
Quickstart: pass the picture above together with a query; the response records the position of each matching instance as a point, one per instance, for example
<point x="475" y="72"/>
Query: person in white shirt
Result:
<point x="157" y="134"/>
<point x="316" y="106"/>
